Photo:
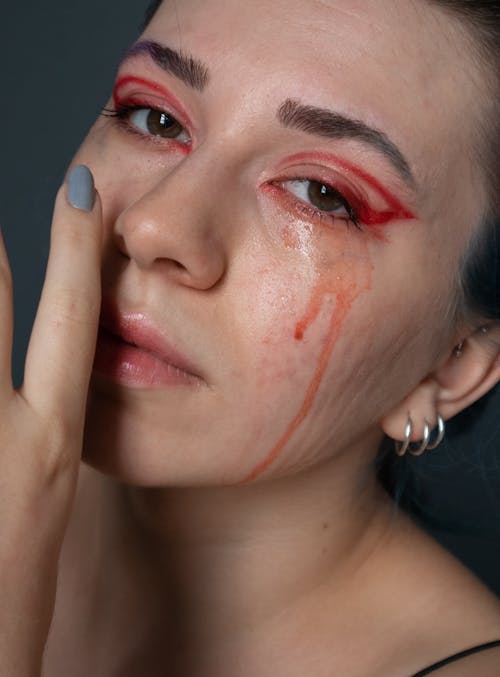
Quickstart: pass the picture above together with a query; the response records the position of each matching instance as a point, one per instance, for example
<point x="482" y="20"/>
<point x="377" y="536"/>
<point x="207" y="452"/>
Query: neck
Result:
<point x="228" y="560"/>
<point x="217" y="545"/>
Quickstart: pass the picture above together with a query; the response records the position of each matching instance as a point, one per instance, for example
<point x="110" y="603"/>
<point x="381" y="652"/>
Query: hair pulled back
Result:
<point x="480" y="278"/>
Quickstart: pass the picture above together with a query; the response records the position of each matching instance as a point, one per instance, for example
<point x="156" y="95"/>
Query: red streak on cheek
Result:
<point x="351" y="285"/>
<point x="311" y="313"/>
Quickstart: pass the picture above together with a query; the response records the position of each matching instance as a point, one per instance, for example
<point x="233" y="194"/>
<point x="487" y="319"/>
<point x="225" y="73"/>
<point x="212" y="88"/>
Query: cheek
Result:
<point x="300" y="340"/>
<point x="295" y="302"/>
<point x="307" y="267"/>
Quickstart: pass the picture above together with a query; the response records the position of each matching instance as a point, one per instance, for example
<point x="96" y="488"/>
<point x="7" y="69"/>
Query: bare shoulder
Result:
<point x="452" y="609"/>
<point x="484" y="663"/>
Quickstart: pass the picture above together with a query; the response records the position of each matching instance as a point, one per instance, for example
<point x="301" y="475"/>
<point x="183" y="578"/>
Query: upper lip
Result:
<point x="138" y="329"/>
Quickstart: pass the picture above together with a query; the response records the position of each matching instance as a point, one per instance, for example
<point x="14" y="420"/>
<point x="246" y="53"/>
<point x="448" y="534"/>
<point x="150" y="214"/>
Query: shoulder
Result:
<point x="484" y="663"/>
<point x="452" y="609"/>
<point x="408" y="605"/>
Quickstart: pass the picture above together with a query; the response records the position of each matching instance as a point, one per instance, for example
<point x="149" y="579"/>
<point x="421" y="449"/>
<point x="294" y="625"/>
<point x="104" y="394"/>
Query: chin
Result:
<point x="183" y="438"/>
<point x="125" y="441"/>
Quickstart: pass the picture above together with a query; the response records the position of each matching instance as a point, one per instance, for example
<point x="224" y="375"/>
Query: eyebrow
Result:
<point x="332" y="125"/>
<point x="188" y="69"/>
<point x="291" y="114"/>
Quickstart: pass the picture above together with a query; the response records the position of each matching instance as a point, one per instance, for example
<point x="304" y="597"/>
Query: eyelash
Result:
<point x="122" y="112"/>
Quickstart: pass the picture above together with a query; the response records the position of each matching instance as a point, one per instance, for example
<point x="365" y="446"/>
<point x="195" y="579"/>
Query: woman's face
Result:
<point x="287" y="193"/>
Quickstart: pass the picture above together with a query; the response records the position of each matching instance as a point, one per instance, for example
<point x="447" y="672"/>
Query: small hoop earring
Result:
<point x="402" y="447"/>
<point x="423" y="446"/>
<point x="440" y="434"/>
<point x="459" y="349"/>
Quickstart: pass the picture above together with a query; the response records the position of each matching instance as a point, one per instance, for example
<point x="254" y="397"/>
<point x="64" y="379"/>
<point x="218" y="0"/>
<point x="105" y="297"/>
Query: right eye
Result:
<point x="150" y="121"/>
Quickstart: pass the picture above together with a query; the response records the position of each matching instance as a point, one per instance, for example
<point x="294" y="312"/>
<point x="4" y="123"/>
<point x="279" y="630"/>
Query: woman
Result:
<point x="292" y="201"/>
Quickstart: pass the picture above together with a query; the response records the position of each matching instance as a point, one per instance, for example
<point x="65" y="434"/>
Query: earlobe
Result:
<point x="419" y="407"/>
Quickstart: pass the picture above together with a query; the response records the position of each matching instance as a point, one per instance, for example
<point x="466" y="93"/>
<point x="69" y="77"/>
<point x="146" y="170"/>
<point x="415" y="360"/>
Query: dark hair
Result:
<point x="416" y="484"/>
<point x="480" y="280"/>
<point x="151" y="11"/>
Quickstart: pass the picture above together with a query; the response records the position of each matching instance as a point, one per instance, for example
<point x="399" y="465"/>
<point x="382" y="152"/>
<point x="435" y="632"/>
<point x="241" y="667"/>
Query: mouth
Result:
<point x="132" y="351"/>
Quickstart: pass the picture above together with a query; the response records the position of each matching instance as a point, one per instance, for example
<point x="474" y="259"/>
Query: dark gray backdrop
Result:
<point x="57" y="62"/>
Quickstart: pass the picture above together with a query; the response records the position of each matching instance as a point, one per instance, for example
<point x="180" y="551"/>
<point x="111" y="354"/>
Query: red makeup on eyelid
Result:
<point x="170" y="99"/>
<point x="367" y="215"/>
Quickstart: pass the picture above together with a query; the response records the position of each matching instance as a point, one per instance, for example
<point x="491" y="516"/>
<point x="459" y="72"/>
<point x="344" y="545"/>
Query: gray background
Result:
<point x="57" y="63"/>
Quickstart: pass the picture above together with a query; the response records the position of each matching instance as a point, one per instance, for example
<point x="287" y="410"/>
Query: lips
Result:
<point x="131" y="351"/>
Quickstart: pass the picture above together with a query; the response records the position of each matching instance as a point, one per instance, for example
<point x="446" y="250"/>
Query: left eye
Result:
<point x="321" y="196"/>
<point x="158" y="123"/>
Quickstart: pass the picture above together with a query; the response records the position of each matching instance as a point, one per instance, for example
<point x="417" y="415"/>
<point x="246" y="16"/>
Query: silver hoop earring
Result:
<point x="402" y="447"/>
<point x="423" y="446"/>
<point x="440" y="434"/>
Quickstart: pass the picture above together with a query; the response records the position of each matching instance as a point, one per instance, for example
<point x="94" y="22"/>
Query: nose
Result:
<point x="173" y="227"/>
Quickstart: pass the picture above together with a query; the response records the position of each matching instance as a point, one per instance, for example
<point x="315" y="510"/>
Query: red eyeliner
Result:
<point x="156" y="88"/>
<point x="367" y="215"/>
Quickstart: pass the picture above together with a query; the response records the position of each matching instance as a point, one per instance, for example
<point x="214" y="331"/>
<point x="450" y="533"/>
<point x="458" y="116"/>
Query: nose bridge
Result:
<point x="194" y="181"/>
<point x="177" y="222"/>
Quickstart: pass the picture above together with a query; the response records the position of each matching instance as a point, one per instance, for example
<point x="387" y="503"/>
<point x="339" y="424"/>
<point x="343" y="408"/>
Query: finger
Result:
<point x="6" y="322"/>
<point x="62" y="344"/>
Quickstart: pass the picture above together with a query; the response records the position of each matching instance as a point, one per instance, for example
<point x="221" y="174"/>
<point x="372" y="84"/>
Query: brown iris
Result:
<point x="325" y="198"/>
<point x="161" y="124"/>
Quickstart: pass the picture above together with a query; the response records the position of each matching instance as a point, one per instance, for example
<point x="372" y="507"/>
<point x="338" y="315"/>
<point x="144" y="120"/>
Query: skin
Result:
<point x="246" y="533"/>
<point x="256" y="373"/>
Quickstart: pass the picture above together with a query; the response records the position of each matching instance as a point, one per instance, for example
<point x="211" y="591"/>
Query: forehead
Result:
<point x="330" y="38"/>
<point x="402" y="66"/>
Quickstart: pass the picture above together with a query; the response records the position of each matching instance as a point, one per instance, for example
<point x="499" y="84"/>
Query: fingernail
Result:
<point x="81" y="191"/>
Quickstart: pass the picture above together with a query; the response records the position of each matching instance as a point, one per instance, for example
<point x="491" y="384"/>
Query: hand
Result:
<point x="41" y="423"/>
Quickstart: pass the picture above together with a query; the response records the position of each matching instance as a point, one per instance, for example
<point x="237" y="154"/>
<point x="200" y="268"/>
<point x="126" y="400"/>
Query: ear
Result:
<point x="469" y="372"/>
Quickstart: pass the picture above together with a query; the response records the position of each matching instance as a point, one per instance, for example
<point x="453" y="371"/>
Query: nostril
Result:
<point x="178" y="265"/>
<point x="121" y="245"/>
<point x="175" y="267"/>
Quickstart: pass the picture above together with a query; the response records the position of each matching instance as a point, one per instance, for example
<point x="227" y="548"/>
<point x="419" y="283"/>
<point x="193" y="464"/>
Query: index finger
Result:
<point x="62" y="344"/>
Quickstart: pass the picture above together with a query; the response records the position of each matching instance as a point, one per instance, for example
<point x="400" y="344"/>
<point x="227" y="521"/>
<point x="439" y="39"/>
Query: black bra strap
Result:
<point x="456" y="657"/>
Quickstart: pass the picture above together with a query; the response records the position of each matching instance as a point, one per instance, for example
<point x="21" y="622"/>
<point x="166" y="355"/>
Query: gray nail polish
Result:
<point x="81" y="192"/>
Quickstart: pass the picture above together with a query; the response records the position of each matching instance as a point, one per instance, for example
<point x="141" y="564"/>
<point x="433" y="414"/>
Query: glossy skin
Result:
<point x="227" y="269"/>
<point x="311" y="337"/>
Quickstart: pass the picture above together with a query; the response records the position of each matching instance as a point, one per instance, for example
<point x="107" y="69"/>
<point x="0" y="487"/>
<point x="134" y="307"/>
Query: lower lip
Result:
<point x="128" y="365"/>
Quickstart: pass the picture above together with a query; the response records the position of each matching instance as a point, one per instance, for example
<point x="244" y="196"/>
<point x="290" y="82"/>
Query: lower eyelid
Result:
<point x="300" y="207"/>
<point x="157" y="142"/>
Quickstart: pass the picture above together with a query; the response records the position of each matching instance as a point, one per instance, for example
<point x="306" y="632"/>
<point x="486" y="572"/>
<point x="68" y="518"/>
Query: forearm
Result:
<point x="28" y="577"/>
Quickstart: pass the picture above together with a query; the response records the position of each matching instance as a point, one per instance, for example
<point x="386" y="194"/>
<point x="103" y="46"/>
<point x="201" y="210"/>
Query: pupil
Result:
<point x="161" y="124"/>
<point x="323" y="197"/>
